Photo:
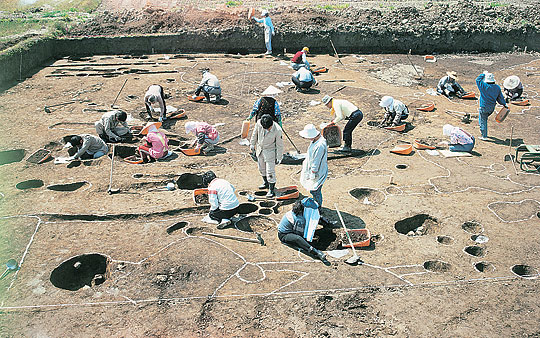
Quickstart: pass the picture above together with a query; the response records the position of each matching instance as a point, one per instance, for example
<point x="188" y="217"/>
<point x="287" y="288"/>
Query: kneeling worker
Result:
<point x="460" y="140"/>
<point x="223" y="201"/>
<point x="154" y="94"/>
<point x="156" y="143"/>
<point x="448" y="86"/>
<point x="89" y="145"/>
<point x="396" y="111"/>
<point x="344" y="110"/>
<point x="299" y="59"/>
<point x="209" y="86"/>
<point x="303" y="79"/>
<point x="513" y="88"/>
<point x="112" y="126"/>
<point x="207" y="135"/>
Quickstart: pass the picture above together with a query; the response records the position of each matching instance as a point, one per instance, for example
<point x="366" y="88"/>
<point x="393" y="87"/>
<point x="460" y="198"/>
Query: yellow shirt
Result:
<point x="342" y="109"/>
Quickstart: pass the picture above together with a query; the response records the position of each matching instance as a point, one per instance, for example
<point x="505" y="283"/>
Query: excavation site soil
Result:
<point x="452" y="250"/>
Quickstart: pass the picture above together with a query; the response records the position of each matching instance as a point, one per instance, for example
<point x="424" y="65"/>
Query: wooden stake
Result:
<point x="335" y="51"/>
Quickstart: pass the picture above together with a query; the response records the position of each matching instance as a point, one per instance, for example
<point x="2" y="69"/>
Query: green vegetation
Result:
<point x="233" y="3"/>
<point x="333" y="7"/>
<point x="19" y="26"/>
<point x="86" y="6"/>
<point x="497" y="4"/>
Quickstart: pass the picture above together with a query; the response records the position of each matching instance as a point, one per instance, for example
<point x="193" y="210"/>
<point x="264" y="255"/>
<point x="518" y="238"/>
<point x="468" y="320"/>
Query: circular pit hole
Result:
<point x="76" y="272"/>
<point x="401" y="166"/>
<point x="265" y="211"/>
<point x="437" y="266"/>
<point x="445" y="240"/>
<point x="475" y="250"/>
<point x="525" y="271"/>
<point x="480" y="239"/>
<point x="30" y="184"/>
<point x="267" y="204"/>
<point x="472" y="227"/>
<point x="484" y="267"/>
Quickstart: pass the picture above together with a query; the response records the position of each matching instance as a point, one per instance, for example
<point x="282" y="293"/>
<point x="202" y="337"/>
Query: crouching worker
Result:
<point x="267" y="144"/>
<point x="88" y="146"/>
<point x="223" y="201"/>
<point x="155" y="143"/>
<point x="209" y="86"/>
<point x="513" y="88"/>
<point x="292" y="226"/>
<point x="460" y="140"/>
<point x="154" y="94"/>
<point x="300" y="60"/>
<point x="112" y="127"/>
<point x="448" y="86"/>
<point x="207" y="135"/>
<point x="303" y="79"/>
<point x="396" y="112"/>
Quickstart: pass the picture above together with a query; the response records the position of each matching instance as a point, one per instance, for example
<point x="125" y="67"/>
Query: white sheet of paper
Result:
<point x="170" y="109"/>
<point x="448" y="153"/>
<point x="61" y="160"/>
<point x="338" y="253"/>
<point x="432" y="152"/>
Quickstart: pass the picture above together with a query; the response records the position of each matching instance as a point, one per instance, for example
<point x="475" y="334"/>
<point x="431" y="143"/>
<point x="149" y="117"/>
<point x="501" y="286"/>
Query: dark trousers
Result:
<point x="219" y="214"/>
<point x="352" y="122"/>
<point x="148" y="110"/>
<point x="302" y="84"/>
<point x="205" y="93"/>
<point x="294" y="240"/>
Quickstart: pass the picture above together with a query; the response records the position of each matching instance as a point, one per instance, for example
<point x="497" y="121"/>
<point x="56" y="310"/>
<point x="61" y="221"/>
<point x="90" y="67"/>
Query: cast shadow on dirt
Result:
<point x="293" y="159"/>
<point x="515" y="142"/>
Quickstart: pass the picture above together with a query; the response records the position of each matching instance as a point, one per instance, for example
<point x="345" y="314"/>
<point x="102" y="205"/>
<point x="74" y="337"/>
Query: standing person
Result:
<point x="112" y="126"/>
<point x="299" y="59"/>
<point x="460" y="140"/>
<point x="448" y="85"/>
<point x="223" y="201"/>
<point x="396" y="111"/>
<point x="513" y="88"/>
<point x="207" y="135"/>
<point x="267" y="104"/>
<point x="490" y="94"/>
<point x="267" y="144"/>
<point x="209" y="86"/>
<point x="291" y="229"/>
<point x="268" y="30"/>
<point x="344" y="109"/>
<point x="303" y="79"/>
<point x="156" y="143"/>
<point x="88" y="145"/>
<point x="154" y="94"/>
<point x="315" y="167"/>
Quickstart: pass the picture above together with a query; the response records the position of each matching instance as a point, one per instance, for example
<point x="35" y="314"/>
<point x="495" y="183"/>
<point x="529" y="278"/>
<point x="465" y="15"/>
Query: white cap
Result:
<point x="271" y="90"/>
<point x="264" y="12"/>
<point x="190" y="126"/>
<point x="490" y="78"/>
<point x="326" y="99"/>
<point x="447" y="129"/>
<point x="386" y="101"/>
<point x="309" y="131"/>
<point x="511" y="82"/>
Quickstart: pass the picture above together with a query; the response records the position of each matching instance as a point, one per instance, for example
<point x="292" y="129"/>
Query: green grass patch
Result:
<point x="497" y="4"/>
<point x="333" y="7"/>
<point x="50" y="5"/>
<point x="233" y="3"/>
<point x="19" y="26"/>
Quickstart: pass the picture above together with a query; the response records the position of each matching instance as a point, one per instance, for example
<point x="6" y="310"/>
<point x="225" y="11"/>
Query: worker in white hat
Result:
<point x="315" y="167"/>
<point x="269" y="30"/>
<point x="300" y="59"/>
<point x="395" y="111"/>
<point x="460" y="140"/>
<point x="207" y="135"/>
<point x="209" y="86"/>
<point x="154" y="94"/>
<point x="448" y="85"/>
<point x="344" y="110"/>
<point x="155" y="143"/>
<point x="513" y="88"/>
<point x="490" y="94"/>
<point x="267" y="104"/>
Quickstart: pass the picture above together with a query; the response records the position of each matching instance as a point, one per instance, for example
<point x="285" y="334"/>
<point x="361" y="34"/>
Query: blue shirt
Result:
<point x="255" y="108"/>
<point x="303" y="75"/>
<point x="267" y="23"/>
<point x="292" y="223"/>
<point x="490" y="93"/>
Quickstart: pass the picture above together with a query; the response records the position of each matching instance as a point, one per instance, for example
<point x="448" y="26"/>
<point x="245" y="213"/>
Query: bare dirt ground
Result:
<point x="156" y="283"/>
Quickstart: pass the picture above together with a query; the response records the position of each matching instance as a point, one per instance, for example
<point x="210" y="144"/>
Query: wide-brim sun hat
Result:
<point x="453" y="75"/>
<point x="271" y="90"/>
<point x="144" y="131"/>
<point x="309" y="131"/>
<point x="511" y="82"/>
<point x="190" y="126"/>
<point x="447" y="129"/>
<point x="490" y="78"/>
<point x="326" y="99"/>
<point x="386" y="101"/>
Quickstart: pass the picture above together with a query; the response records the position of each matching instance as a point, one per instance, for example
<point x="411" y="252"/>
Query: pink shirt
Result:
<point x="159" y="143"/>
<point x="208" y="130"/>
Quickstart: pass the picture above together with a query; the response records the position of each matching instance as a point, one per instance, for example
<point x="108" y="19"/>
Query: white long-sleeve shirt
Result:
<point x="210" y="79"/>
<point x="221" y="195"/>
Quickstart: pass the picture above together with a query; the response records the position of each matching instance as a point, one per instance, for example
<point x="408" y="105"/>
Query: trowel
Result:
<point x="11" y="266"/>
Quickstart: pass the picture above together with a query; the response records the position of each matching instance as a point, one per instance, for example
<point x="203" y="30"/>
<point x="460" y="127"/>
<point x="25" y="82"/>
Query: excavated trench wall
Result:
<point x="365" y="40"/>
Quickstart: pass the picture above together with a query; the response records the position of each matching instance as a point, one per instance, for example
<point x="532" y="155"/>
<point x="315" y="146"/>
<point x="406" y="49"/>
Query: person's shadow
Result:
<point x="515" y="142"/>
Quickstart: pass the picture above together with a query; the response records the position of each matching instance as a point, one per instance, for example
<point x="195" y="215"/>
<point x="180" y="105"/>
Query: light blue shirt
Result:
<point x="304" y="75"/>
<point x="267" y="23"/>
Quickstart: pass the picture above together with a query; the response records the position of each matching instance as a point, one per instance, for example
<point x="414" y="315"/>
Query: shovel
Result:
<point x="111" y="191"/>
<point x="11" y="266"/>
<point x="47" y="110"/>
<point x="116" y="98"/>
<point x="354" y="260"/>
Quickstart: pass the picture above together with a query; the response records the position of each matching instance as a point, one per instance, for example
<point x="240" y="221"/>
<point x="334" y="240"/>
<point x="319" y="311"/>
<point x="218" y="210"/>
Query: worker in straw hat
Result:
<point x="269" y="30"/>
<point x="112" y="127"/>
<point x="300" y="59"/>
<point x="88" y="146"/>
<point x="303" y="79"/>
<point x="267" y="144"/>
<point x="267" y="104"/>
<point x="223" y="201"/>
<point x="395" y="111"/>
<point x="460" y="140"/>
<point x="315" y="167"/>
<point x="344" y="110"/>
<point x="490" y="94"/>
<point x="448" y="86"/>
<point x="207" y="135"/>
<point x="155" y="143"/>
<point x="513" y="88"/>
<point x="209" y="86"/>
<point x="154" y="94"/>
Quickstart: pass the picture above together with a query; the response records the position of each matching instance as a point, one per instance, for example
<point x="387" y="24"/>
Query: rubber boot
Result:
<point x="320" y="255"/>
<point x="265" y="183"/>
<point x="271" y="192"/>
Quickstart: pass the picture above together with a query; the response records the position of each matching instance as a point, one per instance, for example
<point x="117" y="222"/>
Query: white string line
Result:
<point x="489" y="206"/>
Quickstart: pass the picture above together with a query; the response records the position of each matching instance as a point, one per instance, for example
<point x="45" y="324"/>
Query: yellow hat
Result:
<point x="144" y="131"/>
<point x="305" y="49"/>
